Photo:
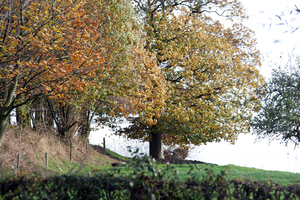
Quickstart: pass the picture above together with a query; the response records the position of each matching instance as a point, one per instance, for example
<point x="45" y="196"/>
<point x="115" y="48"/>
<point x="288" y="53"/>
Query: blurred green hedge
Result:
<point x="146" y="182"/>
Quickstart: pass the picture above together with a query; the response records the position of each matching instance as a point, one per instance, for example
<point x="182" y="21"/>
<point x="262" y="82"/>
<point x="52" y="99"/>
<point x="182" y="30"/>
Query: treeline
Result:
<point x="65" y="62"/>
<point x="169" y="67"/>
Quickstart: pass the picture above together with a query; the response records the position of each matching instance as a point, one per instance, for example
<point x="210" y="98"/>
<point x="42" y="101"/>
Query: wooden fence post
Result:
<point x="87" y="147"/>
<point x="46" y="158"/>
<point x="104" y="145"/>
<point x="18" y="163"/>
<point x="71" y="153"/>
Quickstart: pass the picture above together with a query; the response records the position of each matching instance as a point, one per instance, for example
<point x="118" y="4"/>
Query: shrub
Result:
<point x="176" y="154"/>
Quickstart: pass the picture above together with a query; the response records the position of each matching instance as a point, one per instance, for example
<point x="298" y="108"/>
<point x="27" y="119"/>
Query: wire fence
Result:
<point x="46" y="155"/>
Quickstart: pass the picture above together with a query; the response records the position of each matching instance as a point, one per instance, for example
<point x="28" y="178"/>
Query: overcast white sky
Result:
<point x="272" y="41"/>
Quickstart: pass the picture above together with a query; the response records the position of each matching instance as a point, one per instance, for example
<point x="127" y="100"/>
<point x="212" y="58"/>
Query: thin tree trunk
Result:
<point x="3" y="127"/>
<point x="23" y="116"/>
<point x="86" y="124"/>
<point x="6" y="109"/>
<point x="155" y="145"/>
<point x="37" y="120"/>
<point x="48" y="118"/>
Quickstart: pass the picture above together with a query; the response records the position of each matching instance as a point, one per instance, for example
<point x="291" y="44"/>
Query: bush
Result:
<point x="176" y="154"/>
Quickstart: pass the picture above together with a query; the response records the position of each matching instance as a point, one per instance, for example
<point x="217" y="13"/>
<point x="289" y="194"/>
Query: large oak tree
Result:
<point x="210" y="71"/>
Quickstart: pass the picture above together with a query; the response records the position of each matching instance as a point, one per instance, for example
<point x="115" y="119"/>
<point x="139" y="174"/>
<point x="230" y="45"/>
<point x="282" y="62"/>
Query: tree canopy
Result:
<point x="47" y="49"/>
<point x="210" y="71"/>
<point x="83" y="51"/>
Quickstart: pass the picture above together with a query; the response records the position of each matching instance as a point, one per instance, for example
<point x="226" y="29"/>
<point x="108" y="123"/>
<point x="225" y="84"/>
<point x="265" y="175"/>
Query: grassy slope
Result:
<point x="237" y="172"/>
<point x="32" y="147"/>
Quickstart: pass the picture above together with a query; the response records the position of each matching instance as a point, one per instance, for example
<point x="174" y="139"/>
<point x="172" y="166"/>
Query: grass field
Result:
<point x="243" y="173"/>
<point x="183" y="172"/>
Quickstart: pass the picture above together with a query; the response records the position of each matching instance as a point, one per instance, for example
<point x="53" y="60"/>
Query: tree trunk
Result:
<point x="23" y="116"/>
<point x="85" y="124"/>
<point x="37" y="120"/>
<point x="48" y="118"/>
<point x="6" y="109"/>
<point x="155" y="145"/>
<point x="3" y="127"/>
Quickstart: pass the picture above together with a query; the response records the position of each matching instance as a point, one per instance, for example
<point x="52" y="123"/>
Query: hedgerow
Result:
<point x="146" y="182"/>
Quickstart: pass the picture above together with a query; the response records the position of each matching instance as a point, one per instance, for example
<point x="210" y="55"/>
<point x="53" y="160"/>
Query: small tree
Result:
<point x="279" y="117"/>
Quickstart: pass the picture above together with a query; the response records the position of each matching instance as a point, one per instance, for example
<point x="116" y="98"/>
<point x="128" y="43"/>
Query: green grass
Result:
<point x="117" y="155"/>
<point x="232" y="171"/>
<point x="242" y="173"/>
<point x="77" y="168"/>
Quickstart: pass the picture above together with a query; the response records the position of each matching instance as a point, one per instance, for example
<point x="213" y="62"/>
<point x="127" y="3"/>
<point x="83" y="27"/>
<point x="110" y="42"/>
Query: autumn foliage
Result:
<point x="48" y="48"/>
<point x="169" y="67"/>
<point x="66" y="49"/>
<point x="210" y="71"/>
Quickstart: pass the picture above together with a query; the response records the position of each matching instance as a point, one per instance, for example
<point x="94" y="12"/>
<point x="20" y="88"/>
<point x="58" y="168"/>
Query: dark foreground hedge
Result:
<point x="146" y="182"/>
<point x="141" y="187"/>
